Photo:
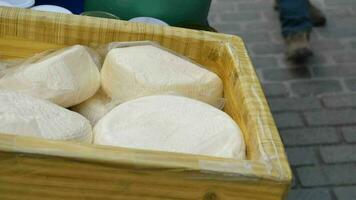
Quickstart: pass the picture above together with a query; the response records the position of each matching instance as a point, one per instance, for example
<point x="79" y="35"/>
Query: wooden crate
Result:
<point x="38" y="169"/>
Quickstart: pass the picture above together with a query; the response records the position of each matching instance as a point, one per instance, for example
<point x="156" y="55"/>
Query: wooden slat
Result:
<point x="58" y="177"/>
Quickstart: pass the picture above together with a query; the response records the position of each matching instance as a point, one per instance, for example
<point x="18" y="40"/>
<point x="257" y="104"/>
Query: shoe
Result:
<point x="298" y="49"/>
<point x="317" y="17"/>
<point x="276" y="5"/>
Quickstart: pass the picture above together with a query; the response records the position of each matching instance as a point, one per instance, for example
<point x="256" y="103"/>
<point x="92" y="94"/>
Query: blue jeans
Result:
<point x="294" y="16"/>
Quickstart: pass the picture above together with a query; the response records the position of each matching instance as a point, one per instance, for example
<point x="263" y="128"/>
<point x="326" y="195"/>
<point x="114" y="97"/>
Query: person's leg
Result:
<point x="317" y="17"/>
<point x="296" y="26"/>
<point x="294" y="16"/>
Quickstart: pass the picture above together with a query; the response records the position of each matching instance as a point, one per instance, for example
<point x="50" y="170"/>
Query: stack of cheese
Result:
<point x="65" y="77"/>
<point x="136" y="71"/>
<point x="133" y="108"/>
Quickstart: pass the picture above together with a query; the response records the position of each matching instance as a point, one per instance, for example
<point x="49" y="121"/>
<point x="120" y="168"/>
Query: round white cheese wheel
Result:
<point x="173" y="124"/>
<point x="137" y="71"/>
<point x="28" y="116"/>
<point x="95" y="107"/>
<point x="66" y="77"/>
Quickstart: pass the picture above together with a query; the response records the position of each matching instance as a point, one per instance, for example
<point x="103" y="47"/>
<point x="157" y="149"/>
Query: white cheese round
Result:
<point x="137" y="71"/>
<point x="173" y="124"/>
<point x="95" y="107"/>
<point x="66" y="77"/>
<point x="28" y="116"/>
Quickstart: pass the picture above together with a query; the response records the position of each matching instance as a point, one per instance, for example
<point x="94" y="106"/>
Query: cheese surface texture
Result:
<point x="137" y="71"/>
<point x="95" y="107"/>
<point x="28" y="116"/>
<point x="66" y="77"/>
<point x="173" y="124"/>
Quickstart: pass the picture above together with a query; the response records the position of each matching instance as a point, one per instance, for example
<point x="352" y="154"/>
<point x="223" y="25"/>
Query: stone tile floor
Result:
<point x="314" y="105"/>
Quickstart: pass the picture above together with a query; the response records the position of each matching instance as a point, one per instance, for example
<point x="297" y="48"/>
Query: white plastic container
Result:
<point x="19" y="3"/>
<point x="52" y="8"/>
<point x="3" y="3"/>
<point x="149" y="20"/>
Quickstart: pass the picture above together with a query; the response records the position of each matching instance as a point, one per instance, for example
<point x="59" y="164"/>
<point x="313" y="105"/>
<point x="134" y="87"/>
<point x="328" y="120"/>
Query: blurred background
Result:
<point x="313" y="104"/>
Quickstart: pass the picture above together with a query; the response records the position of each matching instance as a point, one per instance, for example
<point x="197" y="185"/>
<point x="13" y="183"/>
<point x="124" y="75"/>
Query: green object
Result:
<point x="173" y="12"/>
<point x="100" y="14"/>
<point x="198" y="27"/>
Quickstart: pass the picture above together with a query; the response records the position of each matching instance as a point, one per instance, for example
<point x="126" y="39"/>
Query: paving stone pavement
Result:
<point x="314" y="105"/>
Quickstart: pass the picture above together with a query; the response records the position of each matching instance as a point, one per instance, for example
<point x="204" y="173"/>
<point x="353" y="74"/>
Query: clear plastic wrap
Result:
<point x="134" y="71"/>
<point x="95" y="107"/>
<point x="28" y="116"/>
<point x="66" y="77"/>
<point x="101" y="103"/>
<point x="171" y="123"/>
<point x="50" y="75"/>
<point x="74" y="170"/>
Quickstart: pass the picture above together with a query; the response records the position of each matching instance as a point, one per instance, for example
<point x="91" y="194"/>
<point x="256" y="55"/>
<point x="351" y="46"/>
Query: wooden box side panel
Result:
<point x="244" y="91"/>
<point x="25" y="176"/>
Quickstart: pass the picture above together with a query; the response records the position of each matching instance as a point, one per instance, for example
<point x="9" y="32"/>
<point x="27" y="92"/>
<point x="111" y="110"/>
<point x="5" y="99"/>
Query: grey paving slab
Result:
<point x="314" y="105"/>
